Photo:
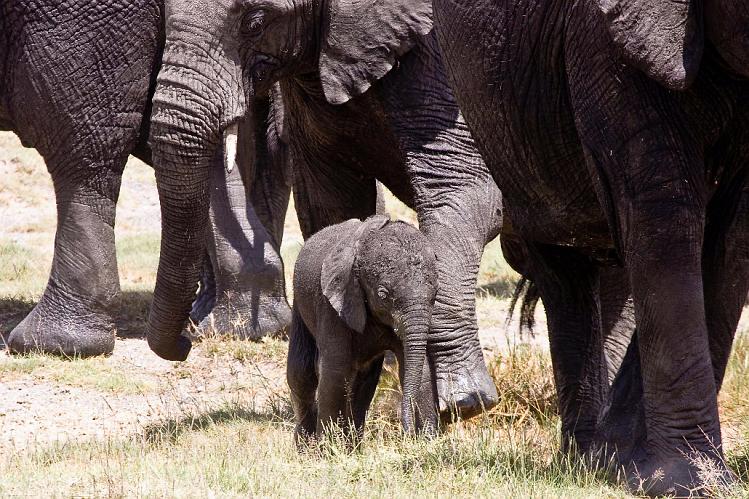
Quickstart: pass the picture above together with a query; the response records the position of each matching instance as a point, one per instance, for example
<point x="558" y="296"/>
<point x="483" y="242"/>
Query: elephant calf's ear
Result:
<point x="338" y="279"/>
<point x="663" y="38"/>
<point x="341" y="287"/>
<point x="362" y="38"/>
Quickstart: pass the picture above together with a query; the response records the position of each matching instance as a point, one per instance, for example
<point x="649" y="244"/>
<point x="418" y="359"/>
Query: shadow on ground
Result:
<point x="169" y="430"/>
<point x="133" y="316"/>
<point x="12" y="311"/>
<point x="130" y="322"/>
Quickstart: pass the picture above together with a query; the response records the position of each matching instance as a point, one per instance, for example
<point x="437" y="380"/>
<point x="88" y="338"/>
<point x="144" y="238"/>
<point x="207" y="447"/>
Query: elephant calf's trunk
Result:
<point x="416" y="327"/>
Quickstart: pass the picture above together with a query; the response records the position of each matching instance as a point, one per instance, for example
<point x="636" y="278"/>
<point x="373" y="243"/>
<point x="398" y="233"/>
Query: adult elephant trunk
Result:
<point x="199" y="99"/>
<point x="415" y="325"/>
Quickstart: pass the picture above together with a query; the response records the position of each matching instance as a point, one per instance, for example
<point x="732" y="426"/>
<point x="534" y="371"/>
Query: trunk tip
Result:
<point x="178" y="351"/>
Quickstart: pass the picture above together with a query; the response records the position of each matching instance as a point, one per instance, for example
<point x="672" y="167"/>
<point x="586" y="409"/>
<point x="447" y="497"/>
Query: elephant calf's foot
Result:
<point x="63" y="332"/>
<point x="247" y="317"/>
<point x="692" y="474"/>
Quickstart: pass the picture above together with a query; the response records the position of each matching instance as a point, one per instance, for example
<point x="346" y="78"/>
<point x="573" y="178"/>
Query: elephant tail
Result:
<point x="526" y="292"/>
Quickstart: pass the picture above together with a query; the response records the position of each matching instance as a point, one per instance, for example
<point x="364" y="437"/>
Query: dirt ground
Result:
<point x="37" y="408"/>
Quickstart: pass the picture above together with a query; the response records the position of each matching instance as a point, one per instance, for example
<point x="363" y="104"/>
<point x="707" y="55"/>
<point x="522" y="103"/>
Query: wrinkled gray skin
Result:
<point x="350" y="120"/>
<point x="360" y="289"/>
<point x="75" y="83"/>
<point x="246" y="296"/>
<point x="617" y="130"/>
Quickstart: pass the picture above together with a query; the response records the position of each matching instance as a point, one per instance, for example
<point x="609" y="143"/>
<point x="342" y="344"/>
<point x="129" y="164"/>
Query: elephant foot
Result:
<point x="692" y="474"/>
<point x="246" y="317"/>
<point x="619" y="435"/>
<point x="464" y="391"/>
<point x="60" y="331"/>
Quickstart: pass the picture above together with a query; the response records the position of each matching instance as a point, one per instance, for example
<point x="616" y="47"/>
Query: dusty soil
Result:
<point x="36" y="409"/>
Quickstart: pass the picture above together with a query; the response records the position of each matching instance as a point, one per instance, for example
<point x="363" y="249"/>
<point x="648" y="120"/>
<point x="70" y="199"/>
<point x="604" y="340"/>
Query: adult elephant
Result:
<point x="75" y="83"/>
<point x="366" y="97"/>
<point x="617" y="129"/>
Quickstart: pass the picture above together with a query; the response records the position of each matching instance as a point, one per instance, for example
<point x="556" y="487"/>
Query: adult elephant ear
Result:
<point x="663" y="38"/>
<point x="361" y="40"/>
<point x="338" y="279"/>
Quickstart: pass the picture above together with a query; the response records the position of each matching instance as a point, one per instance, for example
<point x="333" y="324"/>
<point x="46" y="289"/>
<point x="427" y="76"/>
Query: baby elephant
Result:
<point x="360" y="288"/>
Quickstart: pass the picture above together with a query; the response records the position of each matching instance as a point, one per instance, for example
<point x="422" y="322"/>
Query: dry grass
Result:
<point x="241" y="449"/>
<point x="268" y="350"/>
<point x="94" y="373"/>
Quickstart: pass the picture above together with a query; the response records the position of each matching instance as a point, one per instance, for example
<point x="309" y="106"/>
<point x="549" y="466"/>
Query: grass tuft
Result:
<point x="270" y="350"/>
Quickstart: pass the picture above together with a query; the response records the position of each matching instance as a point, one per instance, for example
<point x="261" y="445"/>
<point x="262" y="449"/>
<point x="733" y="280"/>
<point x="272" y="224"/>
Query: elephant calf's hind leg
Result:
<point x="302" y="377"/>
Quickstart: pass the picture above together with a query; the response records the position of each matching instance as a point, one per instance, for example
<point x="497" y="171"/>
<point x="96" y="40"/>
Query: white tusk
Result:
<point x="230" y="146"/>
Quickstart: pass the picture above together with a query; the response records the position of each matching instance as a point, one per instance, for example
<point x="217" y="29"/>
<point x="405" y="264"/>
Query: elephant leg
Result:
<point x="569" y="287"/>
<point x="80" y="103"/>
<point x="301" y="375"/>
<point x="617" y="317"/>
<point x="458" y="232"/>
<point x="364" y="389"/>
<point x="674" y="349"/>
<point x="460" y="210"/>
<point x="726" y="282"/>
<point x="336" y="380"/>
<point x="655" y="195"/>
<point x="621" y="426"/>
<point x="725" y="263"/>
<point x="75" y="315"/>
<point x="250" y="295"/>
<point x="334" y="398"/>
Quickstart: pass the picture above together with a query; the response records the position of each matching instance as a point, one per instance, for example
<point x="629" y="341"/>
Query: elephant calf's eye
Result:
<point x="382" y="293"/>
